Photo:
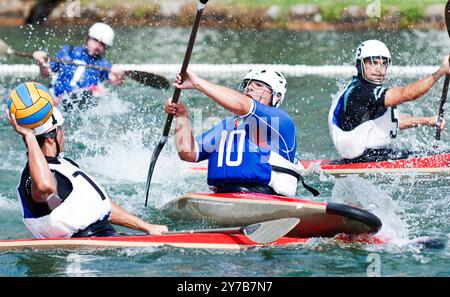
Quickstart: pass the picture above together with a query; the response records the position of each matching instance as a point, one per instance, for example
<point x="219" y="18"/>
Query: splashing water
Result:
<point x="8" y="204"/>
<point x="357" y="191"/>
<point x="114" y="144"/>
<point x="75" y="261"/>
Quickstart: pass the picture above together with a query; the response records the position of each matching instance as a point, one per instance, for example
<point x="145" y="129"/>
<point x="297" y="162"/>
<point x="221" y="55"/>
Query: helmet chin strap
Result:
<point x="273" y="103"/>
<point x="58" y="148"/>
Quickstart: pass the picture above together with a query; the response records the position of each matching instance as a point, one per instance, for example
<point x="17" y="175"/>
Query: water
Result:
<point x="114" y="141"/>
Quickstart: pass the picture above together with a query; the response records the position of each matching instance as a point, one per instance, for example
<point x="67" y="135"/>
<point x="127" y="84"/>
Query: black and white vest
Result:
<point x="78" y="203"/>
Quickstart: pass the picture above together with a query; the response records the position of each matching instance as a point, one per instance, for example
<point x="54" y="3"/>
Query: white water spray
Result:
<point x="357" y="191"/>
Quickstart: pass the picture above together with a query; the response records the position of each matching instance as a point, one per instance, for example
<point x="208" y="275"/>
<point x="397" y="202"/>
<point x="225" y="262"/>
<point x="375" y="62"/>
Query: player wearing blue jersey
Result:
<point x="364" y="120"/>
<point x="252" y="151"/>
<point x="69" y="78"/>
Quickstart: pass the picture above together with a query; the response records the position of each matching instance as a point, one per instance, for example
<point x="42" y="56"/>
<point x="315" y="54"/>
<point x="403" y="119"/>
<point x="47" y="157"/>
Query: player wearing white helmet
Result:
<point x="272" y="78"/>
<point x="374" y="51"/>
<point x="57" y="197"/>
<point x="364" y="120"/>
<point x="69" y="79"/>
<point x="252" y="151"/>
<point x="103" y="33"/>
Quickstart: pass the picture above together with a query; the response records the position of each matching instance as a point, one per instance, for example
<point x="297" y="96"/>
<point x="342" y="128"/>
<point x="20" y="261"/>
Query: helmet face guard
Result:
<point x="361" y="67"/>
<point x="49" y="134"/>
<point x="246" y="82"/>
<point x="271" y="78"/>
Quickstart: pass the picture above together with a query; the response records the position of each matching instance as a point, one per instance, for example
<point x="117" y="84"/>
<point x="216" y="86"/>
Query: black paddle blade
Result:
<point x="151" y="168"/>
<point x="148" y="79"/>
<point x="430" y="242"/>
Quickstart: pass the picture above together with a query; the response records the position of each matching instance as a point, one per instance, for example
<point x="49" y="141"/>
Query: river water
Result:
<point x="114" y="141"/>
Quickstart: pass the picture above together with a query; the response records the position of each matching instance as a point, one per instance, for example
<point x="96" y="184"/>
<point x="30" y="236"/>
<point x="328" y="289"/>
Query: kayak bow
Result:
<point x="318" y="219"/>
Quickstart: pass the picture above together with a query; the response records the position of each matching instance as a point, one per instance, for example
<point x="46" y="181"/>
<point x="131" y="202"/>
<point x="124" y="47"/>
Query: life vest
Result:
<point x="86" y="203"/>
<point x="372" y="134"/>
<point x="67" y="78"/>
<point x="285" y="176"/>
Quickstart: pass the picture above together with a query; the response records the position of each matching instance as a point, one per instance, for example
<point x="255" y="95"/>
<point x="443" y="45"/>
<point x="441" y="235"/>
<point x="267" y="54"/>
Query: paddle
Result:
<point x="446" y="81"/>
<point x="176" y="95"/>
<point x="262" y="233"/>
<point x="145" y="78"/>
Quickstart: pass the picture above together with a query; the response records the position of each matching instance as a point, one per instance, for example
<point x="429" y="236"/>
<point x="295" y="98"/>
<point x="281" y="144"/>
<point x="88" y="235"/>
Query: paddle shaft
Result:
<point x="149" y="79"/>
<point x="187" y="58"/>
<point x="51" y="59"/>
<point x="176" y="96"/>
<point x="441" y="106"/>
<point x="447" y="78"/>
<point x="230" y="230"/>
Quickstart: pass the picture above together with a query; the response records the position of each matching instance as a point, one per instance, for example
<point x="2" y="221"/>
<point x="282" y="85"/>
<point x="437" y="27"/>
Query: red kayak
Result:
<point x="189" y="241"/>
<point x="208" y="241"/>
<point x="317" y="219"/>
<point x="439" y="163"/>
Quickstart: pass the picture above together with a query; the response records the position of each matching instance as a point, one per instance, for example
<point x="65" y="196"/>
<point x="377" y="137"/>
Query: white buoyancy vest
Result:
<point x="86" y="204"/>
<point x="373" y="134"/>
<point x="281" y="182"/>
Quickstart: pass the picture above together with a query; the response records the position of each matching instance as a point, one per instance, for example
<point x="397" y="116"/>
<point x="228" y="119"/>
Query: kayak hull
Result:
<point x="209" y="241"/>
<point x="188" y="241"/>
<point x="236" y="209"/>
<point x="427" y="164"/>
<point x="433" y="164"/>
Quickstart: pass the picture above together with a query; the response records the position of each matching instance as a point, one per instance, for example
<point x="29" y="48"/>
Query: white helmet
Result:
<point x="271" y="77"/>
<point x="372" y="48"/>
<point x="102" y="32"/>
<point x="54" y="121"/>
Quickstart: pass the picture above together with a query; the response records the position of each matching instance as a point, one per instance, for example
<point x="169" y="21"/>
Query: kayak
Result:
<point x="207" y="241"/>
<point x="211" y="241"/>
<point x="432" y="164"/>
<point x="317" y="219"/>
<point x="439" y="163"/>
<point x="200" y="241"/>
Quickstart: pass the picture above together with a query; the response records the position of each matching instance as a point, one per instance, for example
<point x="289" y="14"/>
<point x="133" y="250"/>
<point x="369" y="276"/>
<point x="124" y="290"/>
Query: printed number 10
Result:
<point x="228" y="139"/>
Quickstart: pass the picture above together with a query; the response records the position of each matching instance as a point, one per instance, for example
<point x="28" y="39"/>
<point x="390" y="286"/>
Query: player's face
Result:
<point x="375" y="69"/>
<point x="95" y="48"/>
<point x="259" y="91"/>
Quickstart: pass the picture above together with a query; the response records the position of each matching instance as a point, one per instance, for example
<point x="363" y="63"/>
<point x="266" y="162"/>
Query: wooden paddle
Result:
<point x="446" y="81"/>
<point x="176" y="95"/>
<point x="145" y="78"/>
<point x="262" y="233"/>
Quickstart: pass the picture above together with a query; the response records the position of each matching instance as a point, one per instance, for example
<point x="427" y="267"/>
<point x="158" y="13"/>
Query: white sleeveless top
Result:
<point x="372" y="134"/>
<point x="86" y="204"/>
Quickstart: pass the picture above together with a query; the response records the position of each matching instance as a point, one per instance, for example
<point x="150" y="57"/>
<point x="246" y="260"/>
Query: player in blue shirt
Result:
<point x="252" y="151"/>
<point x="68" y="78"/>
